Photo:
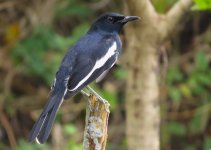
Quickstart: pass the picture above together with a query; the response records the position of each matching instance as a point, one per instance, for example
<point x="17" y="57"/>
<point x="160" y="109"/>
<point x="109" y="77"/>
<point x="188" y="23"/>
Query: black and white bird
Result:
<point x="88" y="60"/>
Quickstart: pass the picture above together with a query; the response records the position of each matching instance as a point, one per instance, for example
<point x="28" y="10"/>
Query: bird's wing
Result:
<point x="81" y="72"/>
<point x="102" y="76"/>
<point x="88" y="69"/>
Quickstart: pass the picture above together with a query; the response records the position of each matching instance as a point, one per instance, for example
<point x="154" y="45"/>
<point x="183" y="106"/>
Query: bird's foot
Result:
<point x="106" y="104"/>
<point x="104" y="101"/>
<point x="87" y="95"/>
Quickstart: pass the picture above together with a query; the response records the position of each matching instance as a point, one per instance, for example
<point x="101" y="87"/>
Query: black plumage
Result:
<point x="92" y="56"/>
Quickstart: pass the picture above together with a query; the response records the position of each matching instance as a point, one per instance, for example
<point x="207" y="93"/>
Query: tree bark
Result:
<point x="145" y="38"/>
<point x="95" y="134"/>
<point x="143" y="116"/>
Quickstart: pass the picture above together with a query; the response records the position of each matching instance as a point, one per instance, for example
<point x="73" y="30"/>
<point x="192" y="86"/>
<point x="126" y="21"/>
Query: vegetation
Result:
<point x="35" y="35"/>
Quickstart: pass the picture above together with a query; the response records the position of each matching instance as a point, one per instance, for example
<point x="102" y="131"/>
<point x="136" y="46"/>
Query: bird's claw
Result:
<point x="105" y="102"/>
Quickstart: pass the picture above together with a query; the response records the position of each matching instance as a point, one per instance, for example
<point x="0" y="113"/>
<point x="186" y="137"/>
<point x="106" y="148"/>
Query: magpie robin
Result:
<point x="88" y="60"/>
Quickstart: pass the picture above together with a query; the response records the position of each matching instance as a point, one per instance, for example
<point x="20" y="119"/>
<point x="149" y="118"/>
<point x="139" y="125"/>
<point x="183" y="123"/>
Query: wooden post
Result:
<point x="95" y="134"/>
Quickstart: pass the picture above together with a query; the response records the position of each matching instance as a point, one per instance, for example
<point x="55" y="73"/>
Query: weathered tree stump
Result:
<point x="95" y="134"/>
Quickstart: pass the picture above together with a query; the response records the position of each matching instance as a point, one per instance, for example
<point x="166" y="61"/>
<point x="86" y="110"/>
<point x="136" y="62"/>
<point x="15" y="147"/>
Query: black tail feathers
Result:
<point x="42" y="127"/>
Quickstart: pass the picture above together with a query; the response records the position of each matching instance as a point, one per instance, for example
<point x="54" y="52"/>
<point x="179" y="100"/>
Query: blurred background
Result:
<point x="34" y="36"/>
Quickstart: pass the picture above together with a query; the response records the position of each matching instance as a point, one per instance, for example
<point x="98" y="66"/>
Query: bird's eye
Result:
<point x="110" y="19"/>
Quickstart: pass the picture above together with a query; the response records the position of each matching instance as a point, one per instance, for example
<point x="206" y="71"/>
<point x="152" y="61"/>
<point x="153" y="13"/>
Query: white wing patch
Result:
<point x="66" y="81"/>
<point x="36" y="139"/>
<point x="54" y="83"/>
<point x="100" y="78"/>
<point x="40" y="129"/>
<point x="99" y="63"/>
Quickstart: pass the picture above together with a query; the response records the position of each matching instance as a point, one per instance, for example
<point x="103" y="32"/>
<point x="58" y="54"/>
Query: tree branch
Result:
<point x="142" y="8"/>
<point x="174" y="15"/>
<point x="95" y="134"/>
<point x="8" y="128"/>
<point x="99" y="5"/>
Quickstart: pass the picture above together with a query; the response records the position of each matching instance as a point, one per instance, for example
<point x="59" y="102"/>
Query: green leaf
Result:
<point x="163" y="5"/>
<point x="72" y="145"/>
<point x="25" y="145"/>
<point x="207" y="143"/>
<point x="69" y="8"/>
<point x="197" y="124"/>
<point x="40" y="54"/>
<point x="174" y="74"/>
<point x="204" y="79"/>
<point x="175" y="94"/>
<point x="176" y="128"/>
<point x="120" y="73"/>
<point x="185" y="90"/>
<point x="70" y="129"/>
<point x="202" y="62"/>
<point x="190" y="147"/>
<point x="202" y="5"/>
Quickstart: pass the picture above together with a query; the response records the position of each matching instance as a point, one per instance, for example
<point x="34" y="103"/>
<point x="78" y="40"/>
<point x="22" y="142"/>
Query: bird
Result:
<point x="89" y="59"/>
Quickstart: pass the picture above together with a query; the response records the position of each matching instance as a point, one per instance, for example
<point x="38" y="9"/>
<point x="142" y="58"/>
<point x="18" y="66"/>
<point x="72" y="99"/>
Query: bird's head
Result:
<point x="112" y="22"/>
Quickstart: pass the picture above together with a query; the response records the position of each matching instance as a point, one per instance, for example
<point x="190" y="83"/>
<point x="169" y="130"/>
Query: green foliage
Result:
<point x="163" y="5"/>
<point x="190" y="147"/>
<point x="207" y="143"/>
<point x="197" y="82"/>
<point x="73" y="146"/>
<point x="176" y="128"/>
<point x="41" y="53"/>
<point x="70" y="129"/>
<point x="192" y="87"/>
<point x="30" y="54"/>
<point x="202" y="63"/>
<point x="72" y="8"/>
<point x="174" y="75"/>
<point x="175" y="94"/>
<point x="202" y="5"/>
<point x="198" y="123"/>
<point x="70" y="143"/>
<point x="25" y="145"/>
<point x="120" y="73"/>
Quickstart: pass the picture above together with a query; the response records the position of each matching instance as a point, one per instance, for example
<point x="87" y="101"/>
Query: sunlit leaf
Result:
<point x="70" y="129"/>
<point x="185" y="90"/>
<point x="73" y="145"/>
<point x="163" y="5"/>
<point x="12" y="33"/>
<point x="202" y="5"/>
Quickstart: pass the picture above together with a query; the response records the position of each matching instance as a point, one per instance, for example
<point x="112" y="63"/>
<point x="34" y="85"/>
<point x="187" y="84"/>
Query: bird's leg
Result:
<point x="98" y="96"/>
<point x="87" y="95"/>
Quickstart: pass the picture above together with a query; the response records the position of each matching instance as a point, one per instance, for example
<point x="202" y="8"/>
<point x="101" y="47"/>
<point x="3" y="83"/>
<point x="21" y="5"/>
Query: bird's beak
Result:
<point x="129" y="18"/>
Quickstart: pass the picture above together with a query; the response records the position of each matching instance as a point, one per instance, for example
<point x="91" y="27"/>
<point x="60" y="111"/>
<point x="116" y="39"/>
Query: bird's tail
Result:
<point x="42" y="127"/>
